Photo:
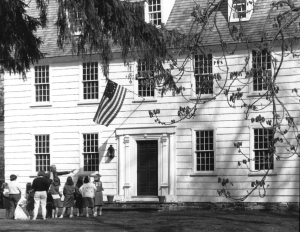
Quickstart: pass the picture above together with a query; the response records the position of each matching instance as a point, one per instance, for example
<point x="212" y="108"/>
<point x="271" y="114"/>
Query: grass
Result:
<point x="163" y="222"/>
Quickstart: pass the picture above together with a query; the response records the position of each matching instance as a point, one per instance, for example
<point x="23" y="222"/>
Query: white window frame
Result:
<point x="254" y="172"/>
<point x="82" y="101"/>
<point x="231" y="12"/>
<point x="31" y="75"/>
<point x="193" y="80"/>
<point x="136" y="97"/>
<point x="250" y="65"/>
<point x="81" y="147"/>
<point x="161" y="14"/>
<point x="33" y="154"/>
<point x="194" y="169"/>
<point x="69" y="24"/>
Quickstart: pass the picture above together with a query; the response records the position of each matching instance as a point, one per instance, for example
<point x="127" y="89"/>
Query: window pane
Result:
<point x="205" y="153"/>
<point x="263" y="159"/>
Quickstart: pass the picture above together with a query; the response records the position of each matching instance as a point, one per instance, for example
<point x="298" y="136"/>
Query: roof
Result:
<point x="181" y="20"/>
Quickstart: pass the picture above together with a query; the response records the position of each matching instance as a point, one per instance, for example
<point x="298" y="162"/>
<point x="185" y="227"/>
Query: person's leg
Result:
<point x="53" y="212"/>
<point x="66" y="212"/>
<point x="95" y="211"/>
<point x="43" y="203"/>
<point x="87" y="211"/>
<point x="16" y="198"/>
<point x="71" y="212"/>
<point x="36" y="205"/>
<point x="11" y="207"/>
<point x="63" y="211"/>
<point x="7" y="212"/>
<point x="100" y="210"/>
<point x="56" y="212"/>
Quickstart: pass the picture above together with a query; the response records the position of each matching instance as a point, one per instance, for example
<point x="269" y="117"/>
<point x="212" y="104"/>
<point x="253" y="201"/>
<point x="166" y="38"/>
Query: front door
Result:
<point x="147" y="177"/>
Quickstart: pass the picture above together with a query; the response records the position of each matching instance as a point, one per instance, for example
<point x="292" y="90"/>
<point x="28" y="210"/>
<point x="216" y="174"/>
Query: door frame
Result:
<point x="137" y="157"/>
<point x="126" y="154"/>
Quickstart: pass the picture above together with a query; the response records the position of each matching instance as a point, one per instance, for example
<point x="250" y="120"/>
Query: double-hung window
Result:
<point x="262" y="69"/>
<point x="263" y="160"/>
<point x="204" y="151"/>
<point x="145" y="81"/>
<point x="42" y="84"/>
<point x="90" y="81"/>
<point x="154" y="8"/>
<point x="203" y="70"/>
<point x="90" y="152"/>
<point x="42" y="152"/>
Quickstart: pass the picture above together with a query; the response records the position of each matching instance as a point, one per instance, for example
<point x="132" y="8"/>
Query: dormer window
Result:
<point x="75" y="21"/>
<point x="154" y="8"/>
<point x="157" y="11"/>
<point x="240" y="10"/>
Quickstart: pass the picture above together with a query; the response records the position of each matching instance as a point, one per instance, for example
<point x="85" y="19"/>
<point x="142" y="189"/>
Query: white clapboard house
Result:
<point x="49" y="119"/>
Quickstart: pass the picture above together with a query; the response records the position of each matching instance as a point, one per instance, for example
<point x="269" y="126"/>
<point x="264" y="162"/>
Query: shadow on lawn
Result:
<point x="116" y="225"/>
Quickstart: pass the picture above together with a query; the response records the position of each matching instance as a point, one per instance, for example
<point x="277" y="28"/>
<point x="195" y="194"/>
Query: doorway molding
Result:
<point x="127" y="159"/>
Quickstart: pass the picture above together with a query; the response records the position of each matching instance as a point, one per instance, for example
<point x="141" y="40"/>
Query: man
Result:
<point x="40" y="186"/>
<point x="54" y="174"/>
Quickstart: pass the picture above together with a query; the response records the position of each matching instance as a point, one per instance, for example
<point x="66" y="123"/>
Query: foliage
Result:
<point x="19" y="46"/>
<point x="282" y="35"/>
<point x="99" y="26"/>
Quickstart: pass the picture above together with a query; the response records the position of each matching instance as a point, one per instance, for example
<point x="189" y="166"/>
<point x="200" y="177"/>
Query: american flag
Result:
<point x="110" y="103"/>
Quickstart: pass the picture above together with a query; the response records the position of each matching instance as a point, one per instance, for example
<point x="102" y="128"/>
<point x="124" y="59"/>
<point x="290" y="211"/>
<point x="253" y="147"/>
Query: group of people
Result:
<point x="44" y="192"/>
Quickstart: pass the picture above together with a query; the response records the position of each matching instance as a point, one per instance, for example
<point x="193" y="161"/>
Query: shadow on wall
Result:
<point x="2" y="164"/>
<point x="103" y="155"/>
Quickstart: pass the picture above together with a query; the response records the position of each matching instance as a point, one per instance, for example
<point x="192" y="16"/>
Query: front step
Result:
<point x="132" y="208"/>
<point x="136" y="206"/>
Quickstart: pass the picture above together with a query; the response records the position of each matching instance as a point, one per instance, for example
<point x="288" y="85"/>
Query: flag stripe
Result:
<point x="118" y="107"/>
<point x="109" y="107"/>
<point x="110" y="104"/>
<point x="99" y="109"/>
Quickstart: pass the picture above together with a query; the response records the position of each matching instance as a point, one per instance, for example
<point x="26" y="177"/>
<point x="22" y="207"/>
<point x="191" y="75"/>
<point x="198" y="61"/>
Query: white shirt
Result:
<point x="14" y="187"/>
<point x="88" y="190"/>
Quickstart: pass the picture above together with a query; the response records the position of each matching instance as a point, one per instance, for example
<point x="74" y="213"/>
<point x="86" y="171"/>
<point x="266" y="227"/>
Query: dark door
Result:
<point x="147" y="183"/>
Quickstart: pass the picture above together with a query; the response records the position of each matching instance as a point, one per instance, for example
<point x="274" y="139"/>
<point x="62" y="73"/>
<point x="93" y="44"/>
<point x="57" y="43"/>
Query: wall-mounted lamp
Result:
<point x="111" y="152"/>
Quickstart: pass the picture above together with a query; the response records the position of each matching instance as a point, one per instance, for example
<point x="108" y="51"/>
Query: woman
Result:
<point x="14" y="194"/>
<point x="53" y="175"/>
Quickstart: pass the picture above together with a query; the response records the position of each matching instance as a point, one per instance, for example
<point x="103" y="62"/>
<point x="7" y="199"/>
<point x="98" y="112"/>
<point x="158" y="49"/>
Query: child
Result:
<point x="78" y="196"/>
<point x="69" y="196"/>
<point x="54" y="190"/>
<point x="88" y="193"/>
<point x="98" y="195"/>
<point x="29" y="195"/>
<point x="50" y="206"/>
<point x="6" y="204"/>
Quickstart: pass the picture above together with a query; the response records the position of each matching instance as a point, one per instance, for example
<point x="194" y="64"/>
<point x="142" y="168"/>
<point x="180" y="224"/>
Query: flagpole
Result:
<point x="136" y="94"/>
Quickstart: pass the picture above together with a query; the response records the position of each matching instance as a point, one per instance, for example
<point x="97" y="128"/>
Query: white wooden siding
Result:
<point x="65" y="120"/>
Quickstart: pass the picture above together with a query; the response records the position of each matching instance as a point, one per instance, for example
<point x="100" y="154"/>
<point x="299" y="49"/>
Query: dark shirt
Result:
<point x="40" y="184"/>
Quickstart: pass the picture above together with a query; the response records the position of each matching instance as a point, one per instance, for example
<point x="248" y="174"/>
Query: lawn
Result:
<point x="163" y="222"/>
